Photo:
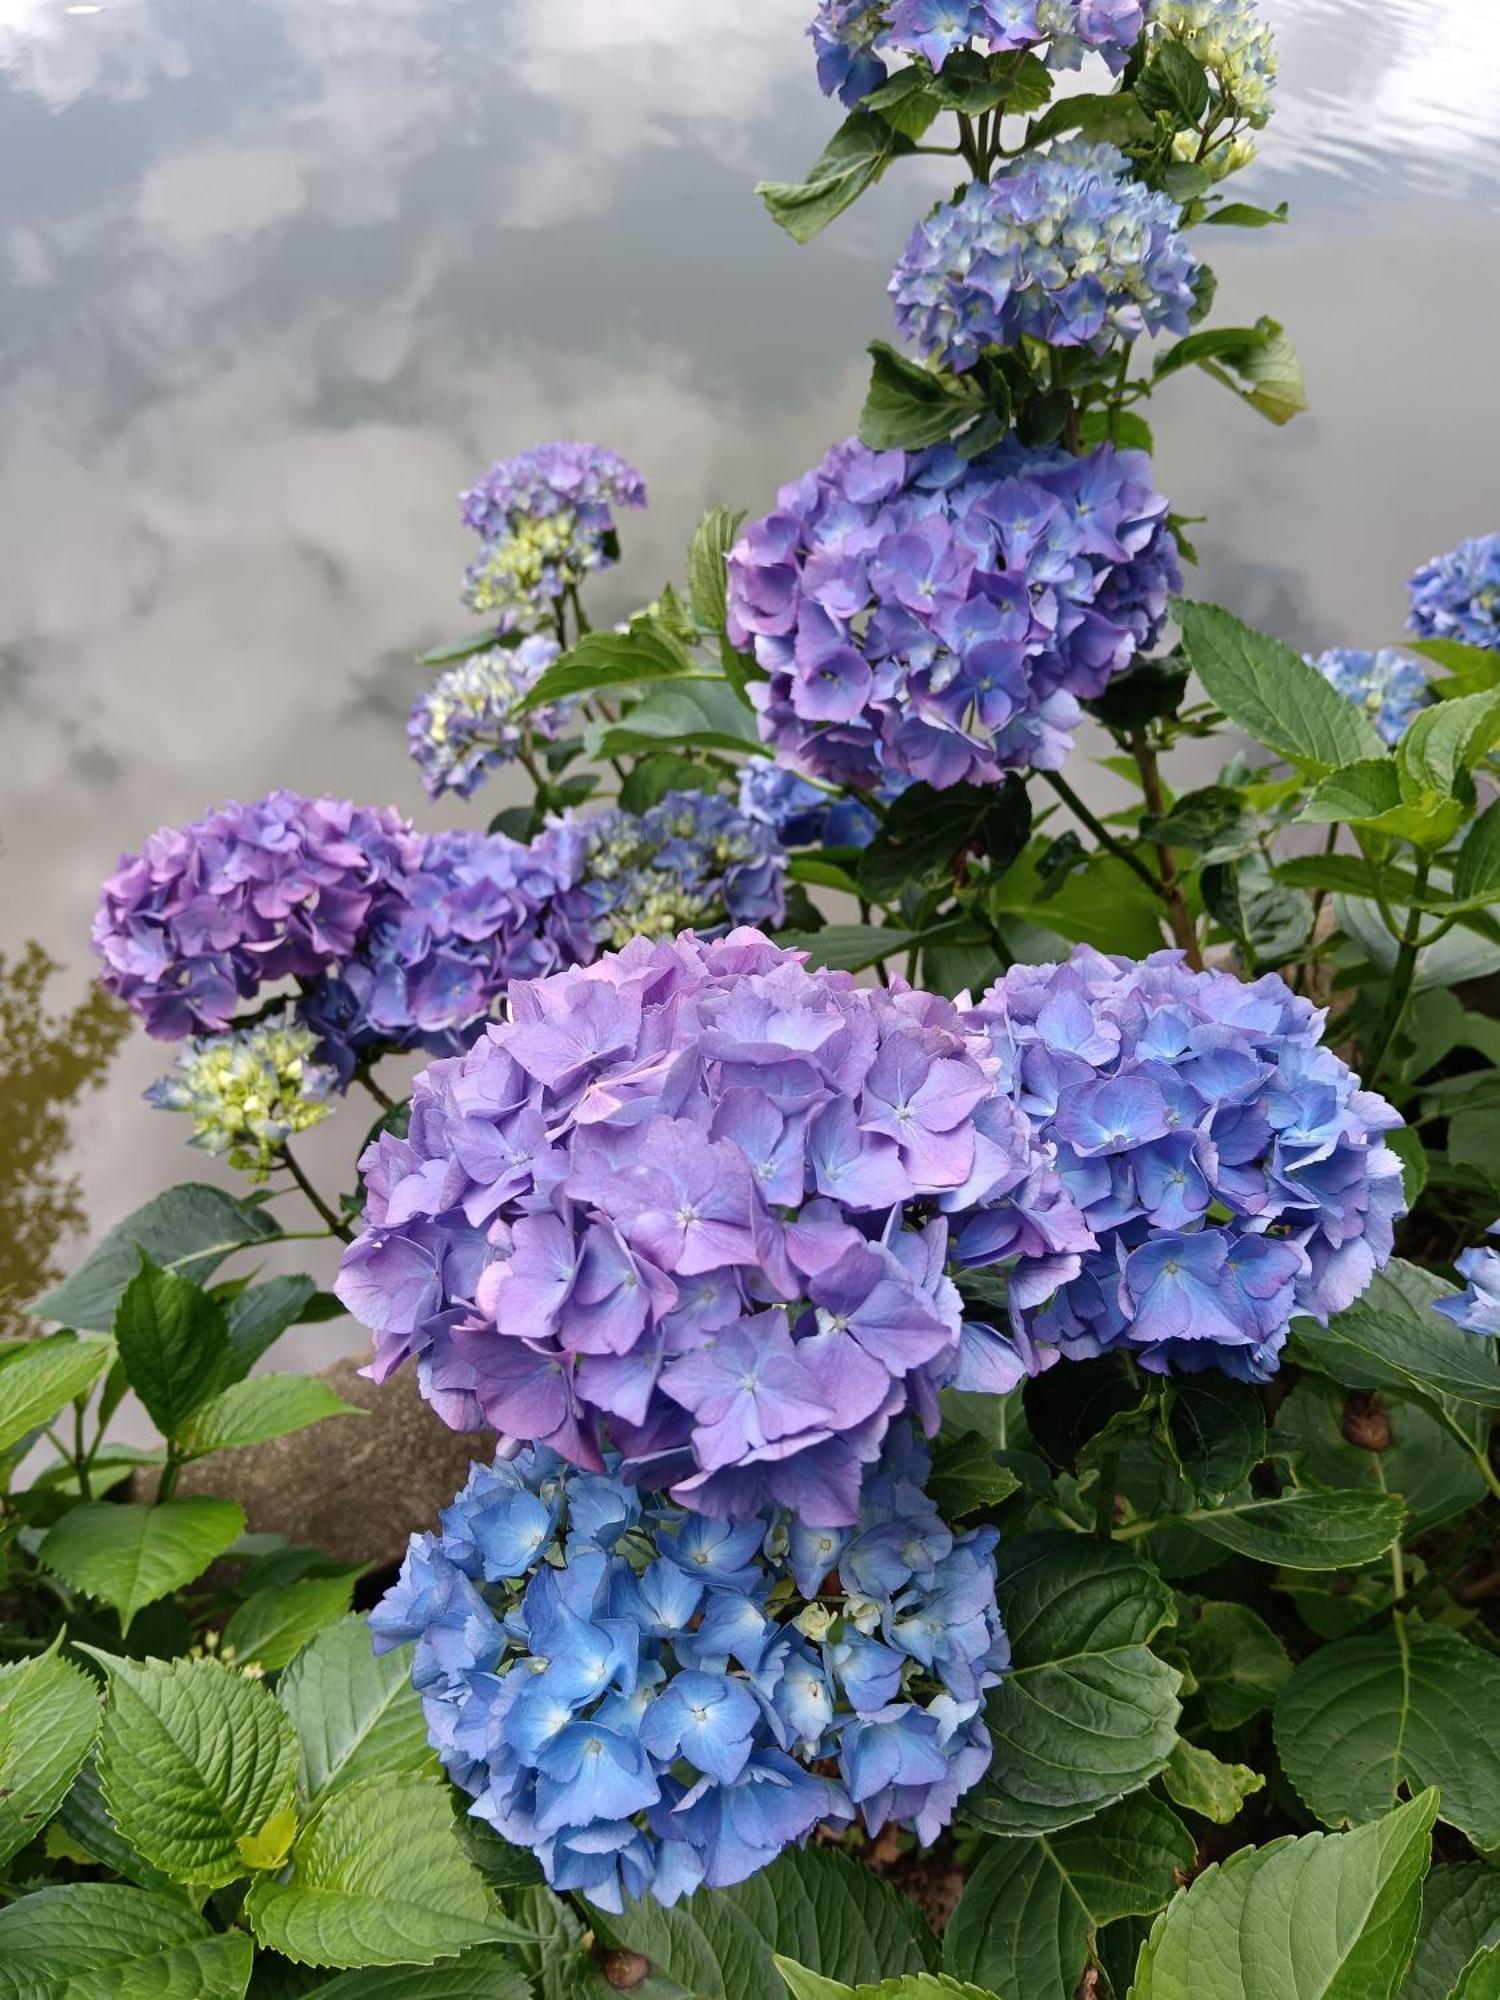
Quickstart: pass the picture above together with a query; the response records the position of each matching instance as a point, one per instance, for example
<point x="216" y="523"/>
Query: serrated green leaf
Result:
<point x="102" y="1941"/>
<point x="1273" y="693"/>
<point x="356" y="1715"/>
<point x="1480" y="1978"/>
<point x="966" y="1475"/>
<point x="484" y="1972"/>
<point x="83" y="1819"/>
<point x="1304" y="1530"/>
<point x="1215" y="1431"/>
<point x="851" y="947"/>
<point x="1245" y="215"/>
<point x="1032" y="1910"/>
<point x="1380" y="1342"/>
<point x="708" y="716"/>
<point x="128" y="1556"/>
<point x="805" y="1985"/>
<point x="853" y="160"/>
<point x="1460" y="1915"/>
<point x="189" y="1231"/>
<point x="259" y="1315"/>
<point x="40" y="1377"/>
<point x="1444" y="743"/>
<point x="378" y="1878"/>
<point x="194" y="1761"/>
<point x="1335" y="1438"/>
<point x="908" y="407"/>
<point x="708" y="581"/>
<point x="173" y="1341"/>
<point x="49" y="1716"/>
<point x="1200" y="1782"/>
<point x="603" y="661"/>
<point x="1327" y="1917"/>
<point x="1413" y="1706"/>
<point x="1087" y="1713"/>
<point x="814" y="1906"/>
<point x="1237" y="1662"/>
<point x="272" y="1626"/>
<point x="261" y="1408"/>
<point x="1116" y="120"/>
<point x="1174" y="81"/>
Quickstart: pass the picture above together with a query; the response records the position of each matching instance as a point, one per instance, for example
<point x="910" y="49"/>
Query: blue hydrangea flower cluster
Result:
<point x="924" y="617"/>
<point x="1457" y="596"/>
<point x="250" y="1091"/>
<point x="547" y="521"/>
<point x="1233" y="1172"/>
<point x="852" y="37"/>
<point x="800" y="814"/>
<point x="1477" y="1308"/>
<point x="1388" y="685"/>
<point x="654" y="1702"/>
<point x="694" y="1203"/>
<point x="466" y="724"/>
<point x="1066" y="247"/>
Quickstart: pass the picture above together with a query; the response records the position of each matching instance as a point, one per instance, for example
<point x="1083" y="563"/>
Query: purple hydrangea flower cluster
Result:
<point x="1388" y="685"/>
<point x="800" y="814"/>
<point x="1457" y="596"/>
<point x="1066" y="247"/>
<point x="694" y="1203"/>
<point x="650" y="1701"/>
<point x="1232" y="1170"/>
<point x="547" y="521"/>
<point x="1477" y="1308"/>
<point x="466" y="724"/>
<point x="851" y="37"/>
<point x="926" y="617"/>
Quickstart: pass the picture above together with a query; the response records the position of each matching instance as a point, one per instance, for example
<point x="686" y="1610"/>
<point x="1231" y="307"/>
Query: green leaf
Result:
<point x="1031" y="1911"/>
<point x="602" y="661"/>
<point x="458" y="649"/>
<point x="1245" y="215"/>
<point x="1174" y="81"/>
<point x="711" y="716"/>
<point x="1327" y="1917"/>
<point x="1116" y="120"/>
<point x="189" y="1231"/>
<point x="1470" y="669"/>
<point x="1305" y="1530"/>
<point x="1215" y="1431"/>
<point x="1257" y="362"/>
<point x="356" y="1715"/>
<point x="1476" y="872"/>
<point x="1336" y="1438"/>
<point x="1103" y="904"/>
<point x="1214" y="823"/>
<point x="40" y="1377"/>
<point x="195" y="1762"/>
<point x="261" y="1314"/>
<point x="485" y="1972"/>
<point x="1480" y="1979"/>
<point x="1413" y="1706"/>
<point x="851" y="947"/>
<point x="909" y="407"/>
<point x="1199" y="1782"/>
<point x="102" y="1941"/>
<point x="1446" y="741"/>
<point x="1087" y="1712"/>
<point x="1237" y="1662"/>
<point x="264" y="1407"/>
<point x="1416" y="1170"/>
<point x="1460" y="1916"/>
<point x="49" y="1716"/>
<point x="378" y="1878"/>
<point x="1273" y="693"/>
<point x="905" y="102"/>
<point x="708" y="581"/>
<point x="272" y="1626"/>
<point x="929" y="833"/>
<point x="173" y="1341"/>
<point x="812" y="1905"/>
<point x="966" y="1476"/>
<point x="83" y="1820"/>
<point x="854" y="159"/>
<point x="805" y="1985"/>
<point x="129" y="1556"/>
<point x="1084" y="1410"/>
<point x="1380" y="1342"/>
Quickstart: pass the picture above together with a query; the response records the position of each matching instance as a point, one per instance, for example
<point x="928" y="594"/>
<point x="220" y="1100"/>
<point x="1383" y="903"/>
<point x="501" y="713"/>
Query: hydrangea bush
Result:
<point x="979" y="1299"/>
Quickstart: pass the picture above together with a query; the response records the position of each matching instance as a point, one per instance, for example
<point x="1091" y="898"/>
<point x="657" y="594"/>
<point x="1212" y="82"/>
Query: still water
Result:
<point x="279" y="276"/>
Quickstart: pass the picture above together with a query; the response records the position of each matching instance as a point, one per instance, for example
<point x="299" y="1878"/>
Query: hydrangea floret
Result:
<point x="802" y="814"/>
<point x="465" y="726"/>
<point x="1065" y="248"/>
<point x="1457" y="596"/>
<point x="547" y="521"/>
<point x="1389" y="685"/>
<point x="852" y="38"/>
<point x="249" y="1092"/>
<point x="693" y="1204"/>
<point x="1477" y="1308"/>
<point x="653" y="1702"/>
<point x="922" y="616"/>
<point x="1233" y="1171"/>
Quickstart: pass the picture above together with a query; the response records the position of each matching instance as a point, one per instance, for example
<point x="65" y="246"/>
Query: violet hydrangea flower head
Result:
<point x="1065" y="247"/>
<point x="547" y="521"/>
<point x="652" y="1702"/>
<point x="250" y="1091"/>
<point x="918" y="616"/>
<point x="1477" y="1308"/>
<point x="466" y="724"/>
<point x="1389" y="685"/>
<point x="692" y="1204"/>
<point x="853" y="37"/>
<point x="1233" y="1171"/>
<point x="1457" y="596"/>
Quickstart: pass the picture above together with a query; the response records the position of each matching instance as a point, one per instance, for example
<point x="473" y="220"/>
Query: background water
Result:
<point x="279" y="276"/>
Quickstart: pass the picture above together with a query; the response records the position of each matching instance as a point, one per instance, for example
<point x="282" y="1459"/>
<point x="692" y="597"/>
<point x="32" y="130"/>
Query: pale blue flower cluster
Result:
<point x="653" y="1702"/>
<point x="466" y="723"/>
<point x="547" y="521"/>
<point x="1389" y="685"/>
<point x="801" y="814"/>
<point x="1457" y="596"/>
<point x="853" y="37"/>
<point x="1477" y="1308"/>
<point x="1065" y="248"/>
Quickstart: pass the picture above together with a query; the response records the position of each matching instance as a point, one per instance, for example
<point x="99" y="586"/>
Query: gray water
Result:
<point x="279" y="276"/>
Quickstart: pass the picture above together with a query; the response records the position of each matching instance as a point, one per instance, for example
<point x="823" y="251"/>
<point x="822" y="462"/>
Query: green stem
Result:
<point x="166" y="1486"/>
<point x="1403" y="978"/>
<point x="1102" y="833"/>
<point x="336" y="1227"/>
<point x="385" y="1103"/>
<point x="82" y="1456"/>
<point x="1184" y="930"/>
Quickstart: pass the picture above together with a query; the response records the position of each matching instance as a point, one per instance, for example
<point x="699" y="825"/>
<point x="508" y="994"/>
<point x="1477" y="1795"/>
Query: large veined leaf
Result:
<point x="484" y="1972"/>
<point x="1087" y="1713"/>
<point x="708" y="582"/>
<point x="378" y="1878"/>
<point x="189" y="1230"/>
<point x="817" y="1908"/>
<point x="264" y="1407"/>
<point x="1416" y="1705"/>
<point x="854" y="159"/>
<point x="604" y="661"/>
<point x="197" y="1766"/>
<point x="804" y="1984"/>
<point x="1273" y="693"/>
<point x="1336" y="1438"/>
<point x="83" y="1821"/>
<point x="1304" y="1530"/>
<point x="128" y="1556"/>
<point x="49" y="1716"/>
<point x="103" y="1941"/>
<point x="261" y="1314"/>
<point x="173" y="1341"/>
<point x="1237" y="1662"/>
<point x="1031" y="1911"/>
<point x="271" y="1627"/>
<point x="1327" y="1917"/>
<point x="40" y="1377"/>
<point x="1460" y="1915"/>
<point x="1200" y="1782"/>
<point x="851" y="947"/>
<point x="1381" y="1343"/>
<point x="356" y="1716"/>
